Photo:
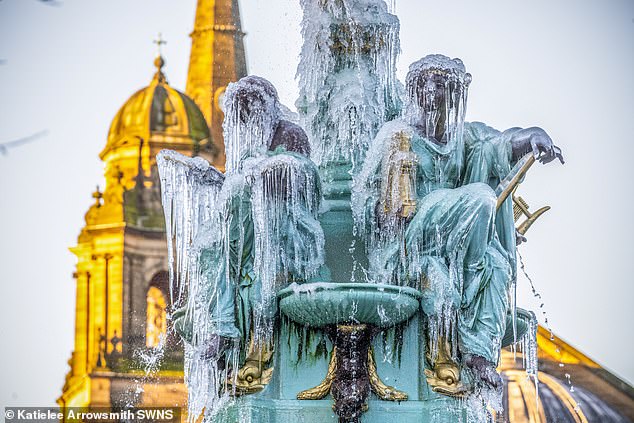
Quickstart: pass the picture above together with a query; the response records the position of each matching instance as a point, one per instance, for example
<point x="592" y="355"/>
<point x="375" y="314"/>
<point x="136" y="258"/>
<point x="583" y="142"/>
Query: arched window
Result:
<point x="156" y="326"/>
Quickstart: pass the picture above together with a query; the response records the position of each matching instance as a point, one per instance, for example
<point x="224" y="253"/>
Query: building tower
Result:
<point x="122" y="283"/>
<point x="217" y="58"/>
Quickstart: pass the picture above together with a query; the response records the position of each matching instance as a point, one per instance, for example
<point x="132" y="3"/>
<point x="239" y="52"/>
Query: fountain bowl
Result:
<point x="321" y="304"/>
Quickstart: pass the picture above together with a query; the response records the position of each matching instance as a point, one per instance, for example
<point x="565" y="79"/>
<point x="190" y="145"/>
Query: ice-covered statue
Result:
<point x="276" y="294"/>
<point x="427" y="199"/>
<point x="235" y="239"/>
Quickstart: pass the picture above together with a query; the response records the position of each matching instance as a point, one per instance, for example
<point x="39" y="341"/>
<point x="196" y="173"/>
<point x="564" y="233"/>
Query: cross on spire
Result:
<point x="159" y="42"/>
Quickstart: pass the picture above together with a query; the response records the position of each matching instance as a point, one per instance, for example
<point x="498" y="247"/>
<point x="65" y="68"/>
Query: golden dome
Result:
<point x="572" y="387"/>
<point x="159" y="109"/>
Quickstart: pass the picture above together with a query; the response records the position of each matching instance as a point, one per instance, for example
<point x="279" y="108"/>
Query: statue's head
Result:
<point x="251" y="96"/>
<point x="252" y="112"/>
<point x="437" y="89"/>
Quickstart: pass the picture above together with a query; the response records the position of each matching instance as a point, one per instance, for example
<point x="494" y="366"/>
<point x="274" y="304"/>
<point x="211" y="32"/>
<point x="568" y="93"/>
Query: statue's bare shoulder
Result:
<point x="292" y="137"/>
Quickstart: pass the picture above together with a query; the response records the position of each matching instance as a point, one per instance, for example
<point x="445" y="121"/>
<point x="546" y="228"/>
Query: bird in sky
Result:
<point x="4" y="147"/>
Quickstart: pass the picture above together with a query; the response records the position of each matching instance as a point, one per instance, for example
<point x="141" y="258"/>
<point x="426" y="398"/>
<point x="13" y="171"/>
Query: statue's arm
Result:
<point x="534" y="139"/>
<point x="204" y="183"/>
<point x="291" y="137"/>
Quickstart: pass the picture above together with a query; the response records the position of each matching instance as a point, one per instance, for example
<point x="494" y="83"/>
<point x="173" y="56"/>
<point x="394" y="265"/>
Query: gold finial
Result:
<point x="97" y="195"/>
<point x="159" y="62"/>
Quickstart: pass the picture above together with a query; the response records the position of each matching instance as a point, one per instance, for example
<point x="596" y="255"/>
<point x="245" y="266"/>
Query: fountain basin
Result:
<point x="322" y="304"/>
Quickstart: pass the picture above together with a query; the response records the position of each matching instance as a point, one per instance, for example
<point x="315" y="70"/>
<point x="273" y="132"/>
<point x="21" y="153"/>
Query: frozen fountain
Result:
<point x="362" y="267"/>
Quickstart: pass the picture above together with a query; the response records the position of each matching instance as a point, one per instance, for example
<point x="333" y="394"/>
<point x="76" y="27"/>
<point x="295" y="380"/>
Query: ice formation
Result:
<point x="425" y="92"/>
<point x="253" y="230"/>
<point x="347" y="80"/>
<point x="258" y="225"/>
<point x="528" y="346"/>
<point x="427" y="244"/>
<point x="190" y="192"/>
<point x="289" y="241"/>
<point x="189" y="188"/>
<point x="252" y="112"/>
<point x="367" y="186"/>
<point x="386" y="154"/>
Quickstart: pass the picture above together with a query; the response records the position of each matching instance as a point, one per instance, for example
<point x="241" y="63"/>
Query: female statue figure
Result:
<point x="235" y="239"/>
<point x="426" y="199"/>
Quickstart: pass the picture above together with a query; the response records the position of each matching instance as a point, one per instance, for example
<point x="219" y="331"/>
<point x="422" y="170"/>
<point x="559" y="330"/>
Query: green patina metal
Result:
<point x="417" y="246"/>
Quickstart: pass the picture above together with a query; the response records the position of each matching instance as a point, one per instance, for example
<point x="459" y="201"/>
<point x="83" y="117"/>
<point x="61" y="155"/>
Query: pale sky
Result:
<point x="566" y="66"/>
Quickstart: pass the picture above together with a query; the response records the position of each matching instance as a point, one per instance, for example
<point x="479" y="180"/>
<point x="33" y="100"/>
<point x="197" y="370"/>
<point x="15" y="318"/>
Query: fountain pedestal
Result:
<point x="351" y="314"/>
<point x="350" y="351"/>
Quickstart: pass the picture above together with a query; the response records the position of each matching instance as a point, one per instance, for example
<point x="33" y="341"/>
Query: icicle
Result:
<point x="513" y="307"/>
<point x="195" y="214"/>
<point x="252" y="112"/>
<point x="189" y="189"/>
<point x="529" y="341"/>
<point x="368" y="185"/>
<point x="289" y="241"/>
<point x="456" y="84"/>
<point x="529" y="352"/>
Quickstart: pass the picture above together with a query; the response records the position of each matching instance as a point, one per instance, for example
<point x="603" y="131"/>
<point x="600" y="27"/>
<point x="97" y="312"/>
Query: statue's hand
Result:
<point x="543" y="148"/>
<point x="484" y="371"/>
<point x="519" y="238"/>
<point x="537" y="141"/>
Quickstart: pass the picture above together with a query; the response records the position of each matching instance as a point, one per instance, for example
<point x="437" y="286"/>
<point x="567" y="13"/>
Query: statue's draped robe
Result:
<point x="225" y="269"/>
<point x="457" y="249"/>
<point x="232" y="291"/>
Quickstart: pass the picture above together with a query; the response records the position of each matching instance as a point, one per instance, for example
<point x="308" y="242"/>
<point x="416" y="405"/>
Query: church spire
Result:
<point x="217" y="58"/>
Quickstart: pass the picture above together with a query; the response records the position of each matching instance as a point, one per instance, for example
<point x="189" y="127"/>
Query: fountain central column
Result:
<point x="351" y="386"/>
